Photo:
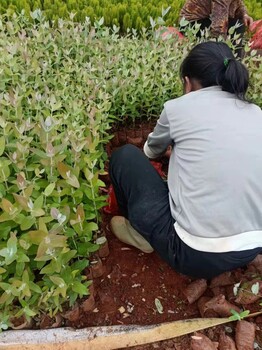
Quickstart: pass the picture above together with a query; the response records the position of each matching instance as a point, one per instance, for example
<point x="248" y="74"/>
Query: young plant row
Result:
<point x="60" y="91"/>
<point x="123" y="13"/>
<point x="54" y="124"/>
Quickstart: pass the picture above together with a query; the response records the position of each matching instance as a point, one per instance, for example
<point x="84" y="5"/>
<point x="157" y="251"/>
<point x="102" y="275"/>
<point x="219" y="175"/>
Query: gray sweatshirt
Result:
<point x="215" y="169"/>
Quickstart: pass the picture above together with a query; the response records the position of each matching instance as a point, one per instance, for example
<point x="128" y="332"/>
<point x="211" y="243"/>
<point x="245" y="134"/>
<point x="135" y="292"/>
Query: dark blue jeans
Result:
<point x="143" y="198"/>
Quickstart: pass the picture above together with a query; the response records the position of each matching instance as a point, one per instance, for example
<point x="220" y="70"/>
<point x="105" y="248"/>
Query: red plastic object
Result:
<point x="174" y="32"/>
<point x="112" y="207"/>
<point x="255" y="25"/>
<point x="256" y="40"/>
<point x="158" y="167"/>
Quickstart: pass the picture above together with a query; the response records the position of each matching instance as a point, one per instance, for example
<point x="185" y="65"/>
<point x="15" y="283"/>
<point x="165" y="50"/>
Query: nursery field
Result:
<point x="125" y="14"/>
<point x="69" y="95"/>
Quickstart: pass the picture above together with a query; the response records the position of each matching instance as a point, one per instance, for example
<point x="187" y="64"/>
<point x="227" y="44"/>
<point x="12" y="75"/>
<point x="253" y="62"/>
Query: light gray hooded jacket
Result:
<point x="215" y="169"/>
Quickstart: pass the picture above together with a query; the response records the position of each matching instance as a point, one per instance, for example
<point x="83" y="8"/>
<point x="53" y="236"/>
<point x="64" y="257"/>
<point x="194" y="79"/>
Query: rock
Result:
<point x="200" y="342"/>
<point x="204" y="312"/>
<point x="222" y="280"/>
<point x="226" y="343"/>
<point x="221" y="306"/>
<point x="195" y="290"/>
<point x="73" y="314"/>
<point x="256" y="264"/>
<point x="88" y="305"/>
<point x="245" y="335"/>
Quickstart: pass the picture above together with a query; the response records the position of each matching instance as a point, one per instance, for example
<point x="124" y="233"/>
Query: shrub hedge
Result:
<point x="123" y="13"/>
<point x="61" y="88"/>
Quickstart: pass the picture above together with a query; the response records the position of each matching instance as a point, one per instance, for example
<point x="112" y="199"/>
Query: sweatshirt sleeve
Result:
<point x="219" y="17"/>
<point x="158" y="140"/>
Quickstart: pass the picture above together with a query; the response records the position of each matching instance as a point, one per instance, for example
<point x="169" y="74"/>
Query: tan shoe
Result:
<point x="123" y="230"/>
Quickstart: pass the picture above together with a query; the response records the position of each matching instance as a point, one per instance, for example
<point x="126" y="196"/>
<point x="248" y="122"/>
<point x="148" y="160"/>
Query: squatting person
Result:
<point x="219" y="16"/>
<point x="207" y="218"/>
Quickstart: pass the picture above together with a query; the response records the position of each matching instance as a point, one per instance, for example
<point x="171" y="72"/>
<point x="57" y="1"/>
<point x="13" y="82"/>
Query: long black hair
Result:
<point x="213" y="63"/>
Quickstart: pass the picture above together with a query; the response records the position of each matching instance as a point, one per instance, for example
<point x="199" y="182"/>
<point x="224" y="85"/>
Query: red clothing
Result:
<point x="219" y="11"/>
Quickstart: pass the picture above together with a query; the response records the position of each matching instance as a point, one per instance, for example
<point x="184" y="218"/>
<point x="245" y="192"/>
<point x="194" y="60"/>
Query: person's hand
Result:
<point x="248" y="20"/>
<point x="168" y="152"/>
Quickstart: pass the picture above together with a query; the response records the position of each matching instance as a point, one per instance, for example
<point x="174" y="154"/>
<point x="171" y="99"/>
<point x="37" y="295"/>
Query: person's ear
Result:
<point x="191" y="85"/>
<point x="188" y="86"/>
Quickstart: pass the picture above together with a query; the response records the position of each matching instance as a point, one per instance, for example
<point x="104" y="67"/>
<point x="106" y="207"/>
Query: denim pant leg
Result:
<point x="143" y="197"/>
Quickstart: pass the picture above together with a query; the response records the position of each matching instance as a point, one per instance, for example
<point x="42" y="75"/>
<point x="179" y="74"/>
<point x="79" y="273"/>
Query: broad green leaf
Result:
<point x="69" y="232"/>
<point x="21" y="258"/>
<point x="20" y="268"/>
<point x="6" y="298"/>
<point x="37" y="212"/>
<point x="29" y="312"/>
<point x="50" y="242"/>
<point x="5" y="286"/>
<point x="22" y="288"/>
<point x="2" y="145"/>
<point x="73" y="181"/>
<point x="28" y="191"/>
<point x="27" y="223"/>
<point x="244" y="313"/>
<point x="38" y="204"/>
<point x="90" y="216"/>
<point x="57" y="281"/>
<point x="21" y="182"/>
<point x="39" y="153"/>
<point x="34" y="287"/>
<point x="42" y="225"/>
<point x="36" y="237"/>
<point x="24" y="244"/>
<point x="80" y="288"/>
<point x="235" y="315"/>
<point x="4" y="174"/>
<point x="9" y="253"/>
<point x="88" y="174"/>
<point x="67" y="255"/>
<point x="80" y="213"/>
<point x="7" y="206"/>
<point x="6" y="228"/>
<point x="64" y="170"/>
<point x="5" y="217"/>
<point x="91" y="226"/>
<point x="53" y="266"/>
<point x="80" y="265"/>
<point x="22" y="201"/>
<point x="10" y="289"/>
<point x="84" y="249"/>
<point x="49" y="189"/>
<point x="60" y="290"/>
